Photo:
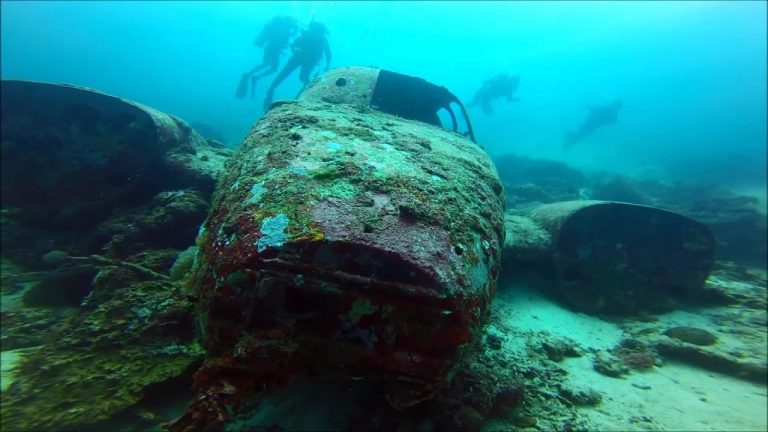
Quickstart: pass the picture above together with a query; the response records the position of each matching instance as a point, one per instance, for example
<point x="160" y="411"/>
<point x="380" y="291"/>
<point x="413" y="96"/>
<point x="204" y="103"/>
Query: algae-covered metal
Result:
<point x="614" y="257"/>
<point x="344" y="239"/>
<point x="97" y="193"/>
<point x="72" y="155"/>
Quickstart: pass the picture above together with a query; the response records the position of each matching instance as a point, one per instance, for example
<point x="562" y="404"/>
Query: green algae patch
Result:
<point x="339" y="189"/>
<point x="183" y="264"/>
<point x="330" y="172"/>
<point x="59" y="389"/>
<point x="360" y="308"/>
<point x="94" y="361"/>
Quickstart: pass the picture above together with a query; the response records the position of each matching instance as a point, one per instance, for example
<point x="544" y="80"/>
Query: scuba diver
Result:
<point x="598" y="117"/>
<point x="308" y="49"/>
<point x="274" y="38"/>
<point x="494" y="88"/>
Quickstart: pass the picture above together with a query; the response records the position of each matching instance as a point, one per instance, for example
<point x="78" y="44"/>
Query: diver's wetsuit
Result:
<point x="493" y="88"/>
<point x="308" y="49"/>
<point x="598" y="117"/>
<point x="274" y="37"/>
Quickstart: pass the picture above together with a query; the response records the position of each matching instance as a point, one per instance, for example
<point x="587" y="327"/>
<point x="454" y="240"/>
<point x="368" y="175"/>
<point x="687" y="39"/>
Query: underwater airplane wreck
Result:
<point x="345" y="239"/>
<point x="357" y="231"/>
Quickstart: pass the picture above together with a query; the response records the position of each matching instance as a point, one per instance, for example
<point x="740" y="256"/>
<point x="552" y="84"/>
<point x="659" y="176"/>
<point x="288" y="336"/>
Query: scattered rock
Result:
<point x="713" y="360"/>
<point x="558" y="349"/>
<point x="642" y="360"/>
<point x="506" y="399"/>
<point x="609" y="365"/>
<point x="54" y="257"/>
<point x="641" y="419"/>
<point x="635" y="354"/>
<point x="494" y="341"/>
<point x="468" y="419"/>
<point x="525" y="421"/>
<point x="692" y="335"/>
<point x="581" y="396"/>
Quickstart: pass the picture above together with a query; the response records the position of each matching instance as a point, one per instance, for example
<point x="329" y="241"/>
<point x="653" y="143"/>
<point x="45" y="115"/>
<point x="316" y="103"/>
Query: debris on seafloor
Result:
<point x="99" y="196"/>
<point x="737" y="221"/>
<point x="346" y="240"/>
<point x="726" y="334"/>
<point x="126" y="336"/>
<point x="630" y="360"/>
<point x="613" y="258"/>
<point x="78" y="163"/>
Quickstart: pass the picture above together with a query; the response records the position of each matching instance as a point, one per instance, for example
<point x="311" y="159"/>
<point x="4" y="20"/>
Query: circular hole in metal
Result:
<point x="341" y="82"/>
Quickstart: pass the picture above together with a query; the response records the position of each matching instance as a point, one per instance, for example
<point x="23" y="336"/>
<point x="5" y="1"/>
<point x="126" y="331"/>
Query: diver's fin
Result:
<point x="242" y="88"/>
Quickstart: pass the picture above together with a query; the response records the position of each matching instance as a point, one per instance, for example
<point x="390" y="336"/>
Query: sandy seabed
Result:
<point x="675" y="396"/>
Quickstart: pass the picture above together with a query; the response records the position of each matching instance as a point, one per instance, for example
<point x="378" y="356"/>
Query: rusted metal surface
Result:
<point x="99" y="174"/>
<point x="58" y="103"/>
<point x="612" y="257"/>
<point x="344" y="240"/>
<point x="97" y="195"/>
<point x="351" y="86"/>
<point x="63" y="143"/>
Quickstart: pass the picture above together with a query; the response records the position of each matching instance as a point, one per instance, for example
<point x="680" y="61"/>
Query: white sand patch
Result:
<point x="525" y="309"/>
<point x="672" y="397"/>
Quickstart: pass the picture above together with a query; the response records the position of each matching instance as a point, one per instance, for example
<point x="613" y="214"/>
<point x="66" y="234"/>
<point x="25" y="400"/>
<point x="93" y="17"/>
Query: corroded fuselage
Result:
<point x="346" y="240"/>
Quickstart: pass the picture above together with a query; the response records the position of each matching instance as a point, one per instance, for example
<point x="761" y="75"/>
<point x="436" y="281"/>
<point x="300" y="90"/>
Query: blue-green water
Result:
<point x="102" y="206"/>
<point x="692" y="74"/>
